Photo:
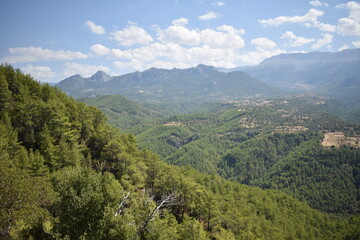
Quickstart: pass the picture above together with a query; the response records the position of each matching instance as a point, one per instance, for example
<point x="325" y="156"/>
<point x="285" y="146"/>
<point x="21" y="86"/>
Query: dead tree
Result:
<point x="165" y="201"/>
<point x="122" y="204"/>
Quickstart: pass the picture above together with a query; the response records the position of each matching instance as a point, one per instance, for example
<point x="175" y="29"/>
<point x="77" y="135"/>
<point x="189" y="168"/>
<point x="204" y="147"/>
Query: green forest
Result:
<point x="273" y="144"/>
<point x="67" y="174"/>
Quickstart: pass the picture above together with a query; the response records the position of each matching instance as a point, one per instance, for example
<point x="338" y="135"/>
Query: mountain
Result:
<point x="66" y="174"/>
<point x="306" y="71"/>
<point x="201" y="83"/>
<point x="72" y="85"/>
<point x="346" y="90"/>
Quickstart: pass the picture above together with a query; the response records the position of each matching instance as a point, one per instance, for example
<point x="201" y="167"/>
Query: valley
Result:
<point x="225" y="153"/>
<point x="254" y="141"/>
<point x="180" y="120"/>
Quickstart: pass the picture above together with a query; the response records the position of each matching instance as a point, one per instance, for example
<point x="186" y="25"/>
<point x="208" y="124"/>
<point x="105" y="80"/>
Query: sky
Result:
<point x="53" y="39"/>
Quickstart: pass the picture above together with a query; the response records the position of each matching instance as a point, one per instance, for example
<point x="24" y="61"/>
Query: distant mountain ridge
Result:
<point x="304" y="71"/>
<point x="76" y="83"/>
<point x="201" y="83"/>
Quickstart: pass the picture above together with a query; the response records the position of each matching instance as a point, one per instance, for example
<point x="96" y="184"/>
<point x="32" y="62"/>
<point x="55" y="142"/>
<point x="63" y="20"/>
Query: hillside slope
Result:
<point x="246" y="141"/>
<point x="65" y="174"/>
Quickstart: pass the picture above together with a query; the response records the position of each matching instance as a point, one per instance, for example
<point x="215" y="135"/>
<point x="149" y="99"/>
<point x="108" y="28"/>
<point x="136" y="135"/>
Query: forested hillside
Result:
<point x="66" y="174"/>
<point x="276" y="143"/>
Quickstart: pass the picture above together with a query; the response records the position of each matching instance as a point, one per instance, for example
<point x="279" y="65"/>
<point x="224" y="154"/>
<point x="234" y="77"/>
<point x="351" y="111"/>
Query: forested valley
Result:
<point x="67" y="174"/>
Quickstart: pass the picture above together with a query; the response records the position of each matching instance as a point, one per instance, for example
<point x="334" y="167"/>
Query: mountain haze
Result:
<point x="305" y="71"/>
<point x="201" y="83"/>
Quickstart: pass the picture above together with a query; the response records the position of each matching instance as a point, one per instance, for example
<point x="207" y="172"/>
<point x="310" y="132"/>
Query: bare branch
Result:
<point x="167" y="200"/>
<point x="122" y="204"/>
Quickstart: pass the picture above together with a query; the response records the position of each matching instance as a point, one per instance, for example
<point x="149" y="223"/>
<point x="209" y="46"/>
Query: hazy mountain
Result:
<point x="305" y="71"/>
<point x="199" y="83"/>
<point x="76" y="83"/>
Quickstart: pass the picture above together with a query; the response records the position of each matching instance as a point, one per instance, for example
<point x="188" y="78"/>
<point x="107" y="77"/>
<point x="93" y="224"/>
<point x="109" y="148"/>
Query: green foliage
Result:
<point x="125" y="113"/>
<point x="23" y="201"/>
<point x="246" y="141"/>
<point x="66" y="174"/>
<point x="85" y="197"/>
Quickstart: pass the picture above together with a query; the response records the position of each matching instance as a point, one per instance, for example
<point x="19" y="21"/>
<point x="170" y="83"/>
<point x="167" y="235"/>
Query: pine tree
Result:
<point x="37" y="164"/>
<point x="5" y="95"/>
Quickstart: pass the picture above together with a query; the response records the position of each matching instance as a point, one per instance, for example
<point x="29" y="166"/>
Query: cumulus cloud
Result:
<point x="99" y="50"/>
<point x="327" y="39"/>
<point x="296" y="41"/>
<point x="97" y="29"/>
<point x="224" y="36"/>
<point x="310" y="19"/>
<point x="265" y="48"/>
<point x="255" y="57"/>
<point x="175" y="55"/>
<point x="134" y="64"/>
<point x="356" y="44"/>
<point x="263" y="43"/>
<point x="34" y="54"/>
<point x="208" y="16"/>
<point x="179" y="34"/>
<point x="43" y="73"/>
<point x="317" y="3"/>
<point x="349" y="26"/>
<point x="84" y="70"/>
<point x="180" y="22"/>
<point x="220" y="4"/>
<point x="131" y="35"/>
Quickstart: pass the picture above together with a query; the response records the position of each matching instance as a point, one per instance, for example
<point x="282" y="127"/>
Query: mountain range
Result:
<point x="305" y="71"/>
<point x="201" y="83"/>
<point x="334" y="75"/>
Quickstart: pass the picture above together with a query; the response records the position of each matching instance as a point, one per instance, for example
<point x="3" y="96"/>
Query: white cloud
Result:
<point x="34" y="54"/>
<point x="308" y="20"/>
<point x="180" y="22"/>
<point x="97" y="29"/>
<point x="327" y="39"/>
<point x="179" y="34"/>
<point x="263" y="43"/>
<point x="230" y="29"/>
<point x="220" y="4"/>
<point x="349" y="26"/>
<point x="325" y="27"/>
<point x="224" y="36"/>
<point x="296" y="41"/>
<point x="118" y="53"/>
<point x="343" y="47"/>
<point x="134" y="64"/>
<point x="84" y="70"/>
<point x="43" y="73"/>
<point x="99" y="50"/>
<point x="317" y="3"/>
<point x="356" y="44"/>
<point x="177" y="55"/>
<point x="265" y="48"/>
<point x="255" y="57"/>
<point x="310" y="17"/>
<point x="131" y="35"/>
<point x="208" y="16"/>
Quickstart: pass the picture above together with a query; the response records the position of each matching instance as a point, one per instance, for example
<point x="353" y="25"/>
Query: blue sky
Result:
<point x="52" y="39"/>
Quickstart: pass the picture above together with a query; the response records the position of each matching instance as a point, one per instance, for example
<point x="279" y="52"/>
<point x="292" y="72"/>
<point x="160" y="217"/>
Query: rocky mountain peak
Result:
<point x="100" y="76"/>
